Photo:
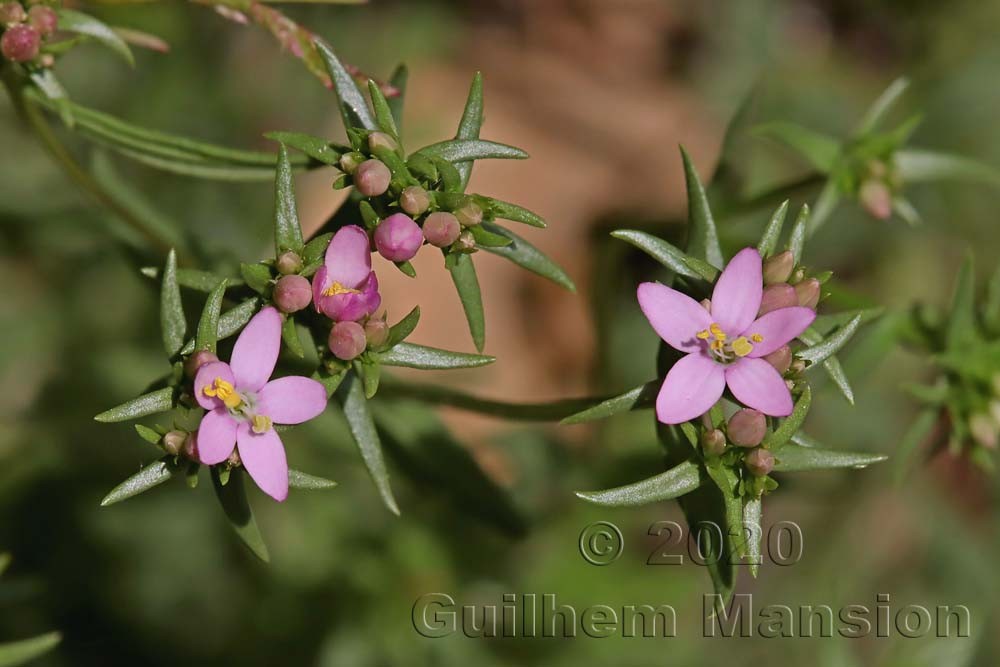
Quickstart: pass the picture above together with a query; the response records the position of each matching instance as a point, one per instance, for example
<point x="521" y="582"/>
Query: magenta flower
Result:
<point x="345" y="287"/>
<point x="243" y="406"/>
<point x="724" y="346"/>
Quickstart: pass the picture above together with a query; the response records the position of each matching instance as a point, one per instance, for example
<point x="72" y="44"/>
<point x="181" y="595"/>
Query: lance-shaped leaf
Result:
<point x="836" y="373"/>
<point x="880" y="107"/>
<point x="353" y="107"/>
<point x="916" y="165"/>
<point x="383" y="113"/>
<point x="172" y="321"/>
<point x="233" y="497"/>
<point x="208" y="324"/>
<point x="488" y="239"/>
<point x="152" y="475"/>
<point x="20" y="652"/>
<point x="703" y="239"/>
<point x="147" y="434"/>
<point x="315" y="147"/>
<point x="152" y="403"/>
<point x="796" y="458"/>
<point x="193" y="279"/>
<point x="470" y="124"/>
<point x="231" y="321"/>
<point x="359" y="419"/>
<point x="797" y="240"/>
<point x="727" y="482"/>
<point x="961" y="328"/>
<point x="769" y="240"/>
<point x="508" y="211"/>
<point x="915" y="435"/>
<point x="752" y="532"/>
<point x="826" y="204"/>
<point x="84" y="24"/>
<point x="818" y="149"/>
<point x="398" y="81"/>
<point x="306" y="482"/>
<point x="287" y="232"/>
<point x="399" y="331"/>
<point x="290" y="336"/>
<point x="463" y="274"/>
<point x="682" y="478"/>
<point x="791" y="424"/>
<point x="528" y="256"/>
<point x="464" y="150"/>
<point x="409" y="355"/>
<point x="831" y="344"/>
<point x="668" y="255"/>
<point x="643" y="396"/>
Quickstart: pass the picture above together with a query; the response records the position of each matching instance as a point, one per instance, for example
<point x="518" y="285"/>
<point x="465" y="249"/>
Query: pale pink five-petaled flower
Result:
<point x="345" y="287"/>
<point x="724" y="347"/>
<point x="243" y="406"/>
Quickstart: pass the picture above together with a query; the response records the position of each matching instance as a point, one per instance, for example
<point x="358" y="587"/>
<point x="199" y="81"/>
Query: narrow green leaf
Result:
<point x="487" y="239"/>
<point x="409" y="355"/>
<point x="917" y="166"/>
<point x="287" y="232"/>
<point x="307" y="482"/>
<point x="796" y="458"/>
<point x="398" y="81"/>
<point x="677" y="481"/>
<point x="818" y="149"/>
<point x="316" y="248"/>
<point x="290" y="335"/>
<point x="703" y="239"/>
<point x="463" y="275"/>
<point x="47" y="82"/>
<point x="353" y="108"/>
<point x="208" y="324"/>
<point x="881" y="106"/>
<point x="769" y="241"/>
<point x="961" y="328"/>
<point x="383" y="114"/>
<point x="17" y="653"/>
<point x="359" y="420"/>
<point x="797" y="240"/>
<point x="231" y="322"/>
<point x="201" y="281"/>
<point x="727" y="481"/>
<point x="640" y="397"/>
<point x="463" y="150"/>
<point x="148" y="434"/>
<point x="529" y="257"/>
<point x="791" y="424"/>
<point x="831" y="344"/>
<point x="470" y="124"/>
<point x="152" y="403"/>
<point x="836" y="372"/>
<point x="668" y="255"/>
<point x="152" y="475"/>
<point x="84" y="24"/>
<point x="370" y="374"/>
<point x="826" y="204"/>
<point x="315" y="147"/>
<point x="257" y="277"/>
<point x="233" y="498"/>
<point x="752" y="533"/>
<point x="330" y="381"/>
<point x="903" y="208"/>
<point x="399" y="331"/>
<point x="172" y="321"/>
<point x="919" y="430"/>
<point x="508" y="211"/>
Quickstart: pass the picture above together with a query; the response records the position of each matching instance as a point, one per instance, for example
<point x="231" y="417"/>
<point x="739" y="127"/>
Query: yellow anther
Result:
<point x="336" y="288"/>
<point x="757" y="338"/>
<point x="742" y="347"/>
<point x="261" y="424"/>
<point x="703" y="334"/>
<point x="717" y="331"/>
<point x="224" y="391"/>
<point x="716" y="345"/>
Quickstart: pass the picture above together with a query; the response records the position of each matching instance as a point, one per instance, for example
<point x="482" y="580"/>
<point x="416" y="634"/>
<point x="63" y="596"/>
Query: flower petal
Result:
<point x="216" y="436"/>
<point x="320" y="282"/>
<point x="205" y="377"/>
<point x="737" y="294"/>
<point x="349" y="256"/>
<point x="674" y="316"/>
<point x="256" y="350"/>
<point x="263" y="455"/>
<point x="778" y="327"/>
<point x="291" y="400"/>
<point x="352" y="306"/>
<point x="692" y="387"/>
<point x="756" y="384"/>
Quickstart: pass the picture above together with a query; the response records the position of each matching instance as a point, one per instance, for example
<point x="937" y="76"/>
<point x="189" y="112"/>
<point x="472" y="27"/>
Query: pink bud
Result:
<point x="347" y="340"/>
<point x="292" y="293"/>
<point x="781" y="359"/>
<point x="11" y="12"/>
<point x="398" y="238"/>
<point x="377" y="331"/>
<point x="414" y="200"/>
<point x="288" y="263"/>
<point x="778" y="296"/>
<point x="807" y="292"/>
<point x="441" y="229"/>
<point x="43" y="19"/>
<point x="747" y="428"/>
<point x="876" y="198"/>
<point x="713" y="442"/>
<point x="759" y="462"/>
<point x="469" y="215"/>
<point x="173" y="442"/>
<point x="20" y="43"/>
<point x="372" y="178"/>
<point x="197" y="360"/>
<point x="778" y="269"/>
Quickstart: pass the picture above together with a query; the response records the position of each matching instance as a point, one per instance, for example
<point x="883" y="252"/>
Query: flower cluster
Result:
<point x="25" y="31"/>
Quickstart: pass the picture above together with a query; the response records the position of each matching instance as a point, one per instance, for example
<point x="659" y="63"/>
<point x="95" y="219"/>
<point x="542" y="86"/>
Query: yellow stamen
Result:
<point x="261" y="424"/>
<point x="717" y="331"/>
<point x="703" y="334"/>
<point x="742" y="347"/>
<point x="716" y="345"/>
<point x="225" y="392"/>
<point x="757" y="338"/>
<point x="336" y="288"/>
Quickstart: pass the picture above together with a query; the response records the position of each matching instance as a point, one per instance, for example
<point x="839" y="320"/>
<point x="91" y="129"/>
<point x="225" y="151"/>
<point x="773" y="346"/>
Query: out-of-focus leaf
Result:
<point x="353" y="107"/>
<point x="826" y="203"/>
<point x="398" y="81"/>
<point x="961" y="328"/>
<point x="4" y="562"/>
<point x="528" y="256"/>
<point x="791" y="424"/>
<point x="991" y="304"/>
<point x="797" y="240"/>
<point x="201" y="281"/>
<point x="152" y="475"/>
<point x="703" y="239"/>
<point x="287" y="232"/>
<point x="359" y="420"/>
<point x="20" y="652"/>
<point x="300" y="480"/>
<point x="827" y="322"/>
<point x="918" y="431"/>
<point x="669" y="256"/>
<point x="463" y="274"/>
<point x="769" y="241"/>
<point x="682" y="478"/>
<point x="152" y="403"/>
<point x="831" y="344"/>
<point x="470" y="124"/>
<point x="315" y="147"/>
<point x="880" y="107"/>
<point x="173" y="324"/>
<point x="642" y="396"/>
<point x="47" y="82"/>
<point x="508" y="211"/>
<point x="836" y="372"/>
<point x="796" y="458"/>
<point x="233" y="497"/>
<point x="231" y="321"/>
<point x="818" y="149"/>
<point x="208" y="324"/>
<point x="84" y="24"/>
<point x="902" y="207"/>
<point x="464" y="150"/>
<point x="383" y="114"/>
<point x="917" y="165"/>
<point x="430" y="358"/>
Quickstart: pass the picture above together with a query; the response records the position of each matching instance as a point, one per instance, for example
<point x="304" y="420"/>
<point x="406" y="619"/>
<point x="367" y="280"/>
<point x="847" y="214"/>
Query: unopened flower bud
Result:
<point x="781" y="359"/>
<point x="20" y="43"/>
<point x="347" y="340"/>
<point x="876" y="198"/>
<point x="190" y="447"/>
<point x="12" y="12"/>
<point x="466" y="242"/>
<point x="43" y="19"/>
<point x="376" y="331"/>
<point x="797" y="366"/>
<point x="414" y="200"/>
<point x="984" y="430"/>
<point x="288" y="263"/>
<point x="441" y="229"/>
<point x="778" y="269"/>
<point x="759" y="462"/>
<point x="398" y="238"/>
<point x="797" y="275"/>
<point x="469" y="214"/>
<point x="372" y="178"/>
<point x="234" y="460"/>
<point x="713" y="442"/>
<point x="747" y="428"/>
<point x="349" y="162"/>
<point x="173" y="442"/>
<point x="197" y="360"/>
<point x="292" y="293"/>
<point x="781" y="295"/>
<point x="381" y="140"/>
<point x="807" y="292"/>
